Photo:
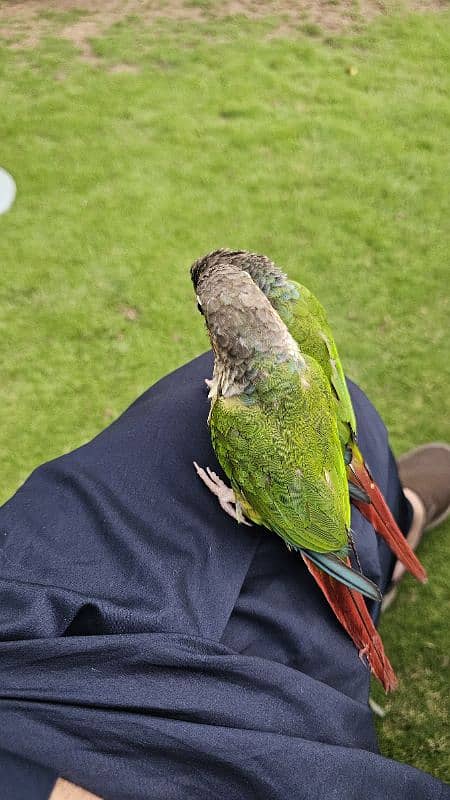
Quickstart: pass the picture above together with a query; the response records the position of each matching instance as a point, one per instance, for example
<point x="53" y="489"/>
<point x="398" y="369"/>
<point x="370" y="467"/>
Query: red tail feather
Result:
<point x="351" y="611"/>
<point x="377" y="512"/>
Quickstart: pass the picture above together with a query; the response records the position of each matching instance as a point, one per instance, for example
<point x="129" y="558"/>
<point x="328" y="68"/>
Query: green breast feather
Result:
<point x="279" y="447"/>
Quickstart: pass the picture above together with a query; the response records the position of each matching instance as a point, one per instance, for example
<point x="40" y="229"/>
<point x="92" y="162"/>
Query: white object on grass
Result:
<point x="379" y="711"/>
<point x="7" y="190"/>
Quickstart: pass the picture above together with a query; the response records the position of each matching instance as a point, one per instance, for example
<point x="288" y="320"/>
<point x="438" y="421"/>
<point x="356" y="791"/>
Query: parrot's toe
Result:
<point x="224" y="493"/>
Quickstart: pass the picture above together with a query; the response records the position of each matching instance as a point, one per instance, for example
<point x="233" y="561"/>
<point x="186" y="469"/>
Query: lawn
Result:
<point x="138" y="145"/>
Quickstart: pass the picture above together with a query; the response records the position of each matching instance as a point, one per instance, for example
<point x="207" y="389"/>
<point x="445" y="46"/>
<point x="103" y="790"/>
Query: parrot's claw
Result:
<point x="240" y="515"/>
<point x="224" y="493"/>
<point x="208" y="382"/>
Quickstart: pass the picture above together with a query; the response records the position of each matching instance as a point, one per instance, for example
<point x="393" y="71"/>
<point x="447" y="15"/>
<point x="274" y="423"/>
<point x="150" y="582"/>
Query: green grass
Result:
<point x="226" y="136"/>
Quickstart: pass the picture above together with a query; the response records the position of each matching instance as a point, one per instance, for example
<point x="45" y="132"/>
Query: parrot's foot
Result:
<point x="208" y="382"/>
<point x="224" y="494"/>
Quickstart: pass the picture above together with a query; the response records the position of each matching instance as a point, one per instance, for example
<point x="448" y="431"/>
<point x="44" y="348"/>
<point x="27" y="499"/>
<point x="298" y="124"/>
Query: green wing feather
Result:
<point x="279" y="447"/>
<point x="307" y="322"/>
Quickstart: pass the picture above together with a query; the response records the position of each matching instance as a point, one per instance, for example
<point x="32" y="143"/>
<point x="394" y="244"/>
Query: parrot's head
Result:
<point x="260" y="268"/>
<point x="243" y="326"/>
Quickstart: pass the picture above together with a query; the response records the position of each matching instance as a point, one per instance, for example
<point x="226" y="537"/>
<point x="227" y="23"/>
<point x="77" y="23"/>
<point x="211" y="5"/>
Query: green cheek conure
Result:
<point x="276" y="433"/>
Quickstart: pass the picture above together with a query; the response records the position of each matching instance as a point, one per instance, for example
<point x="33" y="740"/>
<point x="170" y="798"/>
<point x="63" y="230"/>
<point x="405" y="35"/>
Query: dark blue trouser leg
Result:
<point x="150" y="647"/>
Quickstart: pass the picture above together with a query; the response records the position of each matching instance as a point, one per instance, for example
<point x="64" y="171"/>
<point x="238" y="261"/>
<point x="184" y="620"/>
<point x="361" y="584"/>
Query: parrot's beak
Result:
<point x="199" y="306"/>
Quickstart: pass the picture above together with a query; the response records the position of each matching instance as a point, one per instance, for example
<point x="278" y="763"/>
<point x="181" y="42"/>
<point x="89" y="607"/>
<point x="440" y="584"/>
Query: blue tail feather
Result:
<point x="356" y="493"/>
<point x="339" y="570"/>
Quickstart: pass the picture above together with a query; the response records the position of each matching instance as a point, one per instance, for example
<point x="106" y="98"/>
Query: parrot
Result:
<point x="306" y="320"/>
<point x="274" y="429"/>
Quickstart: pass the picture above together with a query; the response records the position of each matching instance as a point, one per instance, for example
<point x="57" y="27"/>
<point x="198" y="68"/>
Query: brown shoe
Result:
<point x="425" y="476"/>
<point x="426" y="472"/>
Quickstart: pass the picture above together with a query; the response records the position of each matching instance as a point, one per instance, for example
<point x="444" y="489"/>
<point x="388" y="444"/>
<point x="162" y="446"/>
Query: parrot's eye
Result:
<point x="199" y="305"/>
